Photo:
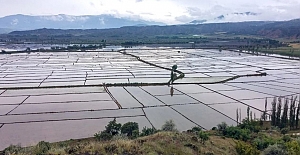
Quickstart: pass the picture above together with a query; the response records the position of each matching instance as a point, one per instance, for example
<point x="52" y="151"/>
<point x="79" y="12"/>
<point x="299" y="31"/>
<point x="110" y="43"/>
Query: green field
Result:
<point x="287" y="51"/>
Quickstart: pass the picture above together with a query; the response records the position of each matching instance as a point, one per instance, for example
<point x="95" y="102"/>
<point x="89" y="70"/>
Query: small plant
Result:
<point x="286" y="138"/>
<point x="284" y="131"/>
<point x="42" y="148"/>
<point x="169" y="126"/>
<point x="243" y="148"/>
<point x="222" y="126"/>
<point x="275" y="150"/>
<point x="103" y="136"/>
<point x="196" y="129"/>
<point x="203" y="136"/>
<point x="148" y="131"/>
<point x="12" y="149"/>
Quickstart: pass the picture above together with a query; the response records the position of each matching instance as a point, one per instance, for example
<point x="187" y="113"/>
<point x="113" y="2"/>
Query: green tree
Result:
<point x="278" y="114"/>
<point x="284" y="118"/>
<point x="248" y="113"/>
<point x="113" y="127"/>
<point x="273" y="116"/>
<point x="129" y="127"/>
<point x="292" y="113"/>
<point x="297" y="114"/>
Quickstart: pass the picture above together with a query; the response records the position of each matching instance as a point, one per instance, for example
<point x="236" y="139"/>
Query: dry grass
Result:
<point x="295" y="45"/>
<point x="159" y="143"/>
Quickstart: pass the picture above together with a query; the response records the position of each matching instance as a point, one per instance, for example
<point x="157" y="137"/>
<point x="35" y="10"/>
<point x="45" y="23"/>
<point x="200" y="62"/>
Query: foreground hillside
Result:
<point x="247" y="138"/>
<point x="159" y="143"/>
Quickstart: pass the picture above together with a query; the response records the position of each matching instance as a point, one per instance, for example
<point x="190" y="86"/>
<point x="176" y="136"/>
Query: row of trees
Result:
<point x="288" y="116"/>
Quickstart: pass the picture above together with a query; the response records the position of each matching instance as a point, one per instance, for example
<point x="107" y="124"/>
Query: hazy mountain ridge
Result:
<point x="26" y="22"/>
<point x="269" y="29"/>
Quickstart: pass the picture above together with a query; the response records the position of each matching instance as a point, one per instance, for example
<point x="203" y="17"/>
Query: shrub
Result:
<point x="286" y="138"/>
<point x="203" y="136"/>
<point x="263" y="142"/>
<point x="148" y="131"/>
<point x="222" y="126"/>
<point x="169" y="126"/>
<point x="42" y="148"/>
<point x="214" y="128"/>
<point x="275" y="150"/>
<point x="113" y="127"/>
<point x="12" y="149"/>
<point x="196" y="129"/>
<point x="135" y="134"/>
<point x="243" y="148"/>
<point x="284" y="131"/>
<point x="293" y="147"/>
<point x="119" y="137"/>
<point x="253" y="126"/>
<point x="237" y="133"/>
<point x="129" y="127"/>
<point x="110" y="148"/>
<point x="103" y="136"/>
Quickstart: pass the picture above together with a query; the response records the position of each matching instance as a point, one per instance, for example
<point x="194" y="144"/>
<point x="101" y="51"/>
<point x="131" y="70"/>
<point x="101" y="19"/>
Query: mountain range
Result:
<point x="61" y="21"/>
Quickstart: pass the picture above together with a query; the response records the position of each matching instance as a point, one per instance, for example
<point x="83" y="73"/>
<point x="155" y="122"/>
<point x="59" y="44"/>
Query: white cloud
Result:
<point x="168" y="11"/>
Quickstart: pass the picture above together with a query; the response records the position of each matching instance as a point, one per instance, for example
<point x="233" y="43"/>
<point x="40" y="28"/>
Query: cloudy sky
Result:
<point x="167" y="11"/>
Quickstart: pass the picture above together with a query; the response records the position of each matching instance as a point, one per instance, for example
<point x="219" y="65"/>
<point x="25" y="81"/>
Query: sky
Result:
<point x="166" y="11"/>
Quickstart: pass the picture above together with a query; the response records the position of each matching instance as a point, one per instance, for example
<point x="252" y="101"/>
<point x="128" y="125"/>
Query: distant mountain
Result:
<point x="198" y="21"/>
<point x="267" y="29"/>
<point x="26" y="22"/>
<point x="222" y="18"/>
<point x="5" y="30"/>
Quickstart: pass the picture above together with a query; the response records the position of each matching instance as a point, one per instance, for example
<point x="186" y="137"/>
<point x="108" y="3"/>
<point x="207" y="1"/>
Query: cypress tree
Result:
<point x="265" y="112"/>
<point x="284" y="119"/>
<point x="273" y="116"/>
<point x="297" y="114"/>
<point x="248" y="113"/>
<point x="278" y="114"/>
<point x="292" y="112"/>
<point x="237" y="116"/>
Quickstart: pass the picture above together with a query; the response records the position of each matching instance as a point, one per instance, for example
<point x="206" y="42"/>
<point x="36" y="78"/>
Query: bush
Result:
<point x="203" y="136"/>
<point x="113" y="127"/>
<point x="169" y="126"/>
<point x="148" y="131"/>
<point x="243" y="148"/>
<point x="286" y="138"/>
<point x="119" y="137"/>
<point x="293" y="147"/>
<point x="42" y="148"/>
<point x="12" y="149"/>
<point x="253" y="126"/>
<point x="263" y="142"/>
<point x="129" y="127"/>
<point x="103" y="136"/>
<point x="275" y="150"/>
<point x="196" y="129"/>
<point x="237" y="133"/>
<point x="284" y="131"/>
<point x="222" y="126"/>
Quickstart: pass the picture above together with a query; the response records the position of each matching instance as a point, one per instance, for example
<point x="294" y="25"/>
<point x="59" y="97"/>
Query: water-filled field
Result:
<point x="66" y="95"/>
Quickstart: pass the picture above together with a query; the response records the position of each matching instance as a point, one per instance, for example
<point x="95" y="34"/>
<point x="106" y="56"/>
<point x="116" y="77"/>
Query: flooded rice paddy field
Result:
<point x="60" y="96"/>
